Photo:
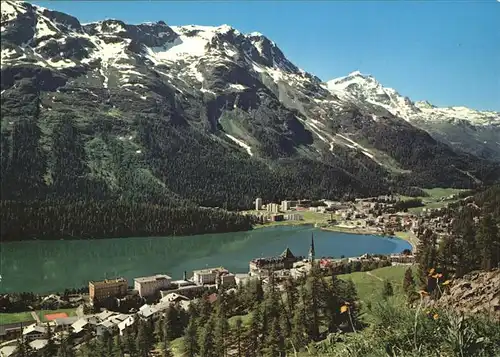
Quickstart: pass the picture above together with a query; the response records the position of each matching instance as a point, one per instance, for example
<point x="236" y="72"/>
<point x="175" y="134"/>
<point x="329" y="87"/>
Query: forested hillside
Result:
<point x="474" y="242"/>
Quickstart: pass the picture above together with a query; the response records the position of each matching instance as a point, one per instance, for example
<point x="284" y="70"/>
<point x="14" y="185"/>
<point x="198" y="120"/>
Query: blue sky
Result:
<point x="447" y="52"/>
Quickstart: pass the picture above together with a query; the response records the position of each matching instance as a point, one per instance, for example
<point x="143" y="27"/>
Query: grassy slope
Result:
<point x="370" y="288"/>
<point x="433" y="200"/>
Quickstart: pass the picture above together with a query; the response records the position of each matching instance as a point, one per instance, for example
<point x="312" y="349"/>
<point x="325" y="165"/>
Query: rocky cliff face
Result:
<point x="207" y="113"/>
<point x="474" y="293"/>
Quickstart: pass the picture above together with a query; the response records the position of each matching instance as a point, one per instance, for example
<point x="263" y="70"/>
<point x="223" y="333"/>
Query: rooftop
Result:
<point x="38" y="344"/>
<point x="287" y="253"/>
<point x="151" y="278"/>
<point x="109" y="281"/>
<point x="210" y="270"/>
<point x="34" y="328"/>
<point x="66" y="320"/>
<point x="107" y="324"/>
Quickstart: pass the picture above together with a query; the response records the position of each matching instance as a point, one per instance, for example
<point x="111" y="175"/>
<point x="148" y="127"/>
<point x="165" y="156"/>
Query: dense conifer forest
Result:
<point x="474" y="242"/>
<point x="109" y="219"/>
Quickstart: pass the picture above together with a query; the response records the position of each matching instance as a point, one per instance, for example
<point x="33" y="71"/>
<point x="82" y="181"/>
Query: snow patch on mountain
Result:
<point x="242" y="144"/>
<point x="181" y="48"/>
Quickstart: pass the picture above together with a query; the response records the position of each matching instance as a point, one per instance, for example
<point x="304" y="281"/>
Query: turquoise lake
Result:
<point x="52" y="266"/>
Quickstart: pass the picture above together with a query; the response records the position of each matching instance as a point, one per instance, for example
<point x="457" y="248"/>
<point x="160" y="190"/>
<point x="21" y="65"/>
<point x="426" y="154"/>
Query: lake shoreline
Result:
<point x="358" y="231"/>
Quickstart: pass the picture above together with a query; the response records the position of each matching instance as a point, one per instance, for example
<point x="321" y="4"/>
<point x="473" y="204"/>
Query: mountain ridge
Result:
<point x="473" y="131"/>
<point x="182" y="107"/>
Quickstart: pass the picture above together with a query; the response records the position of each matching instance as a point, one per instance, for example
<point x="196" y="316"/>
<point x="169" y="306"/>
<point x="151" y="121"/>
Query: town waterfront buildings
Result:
<point x="207" y="276"/>
<point x="260" y="266"/>
<point x="100" y="290"/>
<point x="150" y="285"/>
<point x="258" y="204"/>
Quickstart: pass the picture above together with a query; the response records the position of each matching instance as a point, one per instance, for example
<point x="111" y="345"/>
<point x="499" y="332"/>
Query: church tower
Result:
<point x="311" y="249"/>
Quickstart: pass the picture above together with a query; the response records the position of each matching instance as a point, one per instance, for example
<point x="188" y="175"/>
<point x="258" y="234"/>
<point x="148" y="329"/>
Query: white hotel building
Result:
<point x="150" y="285"/>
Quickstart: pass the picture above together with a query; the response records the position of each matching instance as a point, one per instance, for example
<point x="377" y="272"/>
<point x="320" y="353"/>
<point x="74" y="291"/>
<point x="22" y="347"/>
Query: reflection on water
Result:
<point x="45" y="266"/>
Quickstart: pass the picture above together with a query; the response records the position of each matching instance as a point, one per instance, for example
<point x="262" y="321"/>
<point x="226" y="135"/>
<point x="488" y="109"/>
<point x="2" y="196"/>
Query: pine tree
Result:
<point x="466" y="250"/>
<point x="446" y="254"/>
<point x="159" y="329"/>
<point x="50" y="348"/>
<point x="90" y="349"/>
<point x="190" y="339"/>
<point x="166" y="351"/>
<point x="275" y="344"/>
<point x="65" y="349"/>
<point x="488" y="242"/>
<point x="387" y="290"/>
<point x="23" y="348"/>
<point x="130" y="343"/>
<point x="117" y="350"/>
<point x="299" y="332"/>
<point x="205" y="308"/>
<point x="313" y="302"/>
<point x="169" y="325"/>
<point x="258" y="293"/>
<point x="207" y="345"/>
<point x="220" y="336"/>
<point x="426" y="257"/>
<point x="409" y="285"/>
<point x="285" y="321"/>
<point x="238" y="330"/>
<point x="254" y="345"/>
<point x="291" y="295"/>
<point x="332" y="303"/>
<point x="143" y="340"/>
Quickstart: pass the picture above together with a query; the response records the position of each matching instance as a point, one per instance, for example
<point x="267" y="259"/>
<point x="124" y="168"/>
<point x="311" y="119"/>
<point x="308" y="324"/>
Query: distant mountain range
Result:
<point x="211" y="115"/>
<point x="465" y="129"/>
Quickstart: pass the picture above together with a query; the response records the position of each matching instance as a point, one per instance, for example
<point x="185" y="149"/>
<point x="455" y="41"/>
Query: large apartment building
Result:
<point x="258" y="204"/>
<point x="273" y="207"/>
<point x="100" y="290"/>
<point x="286" y="205"/>
<point x="150" y="285"/>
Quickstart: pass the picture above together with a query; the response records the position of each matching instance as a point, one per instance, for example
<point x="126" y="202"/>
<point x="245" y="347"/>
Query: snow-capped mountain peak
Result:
<point x="366" y="88"/>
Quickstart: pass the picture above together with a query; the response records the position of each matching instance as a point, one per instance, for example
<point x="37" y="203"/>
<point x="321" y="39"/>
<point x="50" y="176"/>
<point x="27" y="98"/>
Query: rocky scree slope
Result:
<point x="474" y="293"/>
<point x="207" y="114"/>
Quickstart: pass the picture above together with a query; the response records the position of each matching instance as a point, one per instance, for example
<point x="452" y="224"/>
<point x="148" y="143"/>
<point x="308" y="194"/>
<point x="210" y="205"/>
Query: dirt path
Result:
<point x="374" y="276"/>
<point x="35" y="316"/>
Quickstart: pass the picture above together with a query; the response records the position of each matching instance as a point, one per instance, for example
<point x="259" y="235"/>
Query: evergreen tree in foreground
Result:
<point x="387" y="290"/>
<point x="409" y="286"/>
<point x="23" y="348"/>
<point x="166" y="351"/>
<point x="191" y="339"/>
<point x="207" y="342"/>
<point x="238" y="331"/>
<point x="488" y="239"/>
<point x="144" y="343"/>
<point x="50" y="349"/>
